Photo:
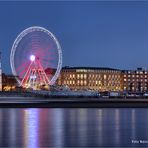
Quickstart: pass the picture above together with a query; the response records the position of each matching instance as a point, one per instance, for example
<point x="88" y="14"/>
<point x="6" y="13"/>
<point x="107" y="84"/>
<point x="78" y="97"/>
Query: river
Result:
<point x="70" y="127"/>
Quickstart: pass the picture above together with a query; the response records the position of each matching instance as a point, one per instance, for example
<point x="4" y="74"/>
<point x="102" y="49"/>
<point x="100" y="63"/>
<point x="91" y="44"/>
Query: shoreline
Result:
<point x="33" y="102"/>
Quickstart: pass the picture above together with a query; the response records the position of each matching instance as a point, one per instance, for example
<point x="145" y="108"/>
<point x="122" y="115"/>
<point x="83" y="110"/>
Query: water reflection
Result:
<point x="117" y="127"/>
<point x="83" y="127"/>
<point x="31" y="125"/>
<point x="58" y="131"/>
<point x="133" y="124"/>
<point x="34" y="128"/>
<point x="100" y="127"/>
<point x="12" y="127"/>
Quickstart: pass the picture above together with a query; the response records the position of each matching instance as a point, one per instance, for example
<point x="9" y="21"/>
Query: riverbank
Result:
<point x="33" y="102"/>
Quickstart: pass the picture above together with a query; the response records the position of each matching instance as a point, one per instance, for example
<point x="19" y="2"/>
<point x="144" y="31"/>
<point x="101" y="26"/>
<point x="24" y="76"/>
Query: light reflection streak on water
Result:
<point x="71" y="118"/>
<point x="31" y="128"/>
<point x="58" y="130"/>
<point x="100" y="126"/>
<point x="83" y="126"/>
<point x="133" y="124"/>
<point x="117" y="127"/>
<point x="1" y="125"/>
<point x="12" y="126"/>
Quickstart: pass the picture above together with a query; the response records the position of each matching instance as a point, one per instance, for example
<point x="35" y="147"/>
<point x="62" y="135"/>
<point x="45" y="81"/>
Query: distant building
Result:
<point x="135" y="80"/>
<point x="101" y="79"/>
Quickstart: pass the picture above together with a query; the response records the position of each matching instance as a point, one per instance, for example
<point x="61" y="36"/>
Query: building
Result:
<point x="135" y="80"/>
<point x="8" y="82"/>
<point x="91" y="78"/>
<point x="0" y="74"/>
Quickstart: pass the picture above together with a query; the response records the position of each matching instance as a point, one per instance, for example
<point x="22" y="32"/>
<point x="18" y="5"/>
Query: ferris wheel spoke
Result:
<point x="22" y="73"/>
<point x="22" y="66"/>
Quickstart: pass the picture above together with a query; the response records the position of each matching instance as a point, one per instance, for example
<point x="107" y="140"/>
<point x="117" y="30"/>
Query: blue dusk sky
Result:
<point x="97" y="34"/>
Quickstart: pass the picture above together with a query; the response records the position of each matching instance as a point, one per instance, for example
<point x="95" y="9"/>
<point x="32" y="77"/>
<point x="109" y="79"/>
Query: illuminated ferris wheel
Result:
<point x="36" y="58"/>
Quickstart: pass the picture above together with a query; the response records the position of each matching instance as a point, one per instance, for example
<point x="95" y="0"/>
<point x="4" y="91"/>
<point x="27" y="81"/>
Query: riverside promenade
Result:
<point x="36" y="100"/>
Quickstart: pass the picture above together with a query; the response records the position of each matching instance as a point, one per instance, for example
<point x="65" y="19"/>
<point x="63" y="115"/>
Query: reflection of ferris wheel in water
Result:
<point x="36" y="58"/>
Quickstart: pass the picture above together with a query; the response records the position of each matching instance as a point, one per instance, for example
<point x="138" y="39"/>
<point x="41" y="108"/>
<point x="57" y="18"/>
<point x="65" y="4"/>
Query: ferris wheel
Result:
<point x="36" y="57"/>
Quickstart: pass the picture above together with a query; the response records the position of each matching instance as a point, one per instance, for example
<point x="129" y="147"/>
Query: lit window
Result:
<point x="85" y="76"/>
<point x="81" y="70"/>
<point x="117" y="88"/>
<point x="104" y="76"/>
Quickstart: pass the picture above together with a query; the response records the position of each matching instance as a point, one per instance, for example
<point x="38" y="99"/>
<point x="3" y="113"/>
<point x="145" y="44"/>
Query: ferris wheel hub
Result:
<point x="32" y="58"/>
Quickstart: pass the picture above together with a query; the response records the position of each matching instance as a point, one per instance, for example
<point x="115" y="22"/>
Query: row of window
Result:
<point x="137" y="72"/>
<point x="90" y="76"/>
<point x="97" y="83"/>
<point x="133" y="76"/>
<point x="129" y="80"/>
<point x="135" y="88"/>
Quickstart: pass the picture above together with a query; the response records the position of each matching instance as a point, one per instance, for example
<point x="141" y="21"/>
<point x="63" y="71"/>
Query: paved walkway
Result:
<point x="71" y="102"/>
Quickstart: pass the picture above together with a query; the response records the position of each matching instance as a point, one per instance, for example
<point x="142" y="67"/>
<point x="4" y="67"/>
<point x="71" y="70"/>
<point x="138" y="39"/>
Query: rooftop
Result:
<point x="91" y="68"/>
